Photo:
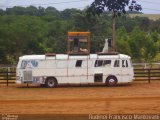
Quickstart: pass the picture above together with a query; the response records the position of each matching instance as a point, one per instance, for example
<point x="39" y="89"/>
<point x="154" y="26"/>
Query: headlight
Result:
<point x="37" y="79"/>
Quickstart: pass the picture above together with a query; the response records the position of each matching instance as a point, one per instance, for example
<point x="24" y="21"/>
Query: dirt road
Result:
<point x="137" y="98"/>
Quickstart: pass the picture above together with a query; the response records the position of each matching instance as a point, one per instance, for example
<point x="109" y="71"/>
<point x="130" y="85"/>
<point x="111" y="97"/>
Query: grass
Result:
<point x="150" y="16"/>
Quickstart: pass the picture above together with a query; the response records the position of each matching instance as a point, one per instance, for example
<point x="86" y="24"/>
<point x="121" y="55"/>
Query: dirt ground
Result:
<point x="135" y="98"/>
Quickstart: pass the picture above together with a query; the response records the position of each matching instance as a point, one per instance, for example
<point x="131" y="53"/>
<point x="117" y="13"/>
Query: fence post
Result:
<point x="7" y="76"/>
<point x="149" y="76"/>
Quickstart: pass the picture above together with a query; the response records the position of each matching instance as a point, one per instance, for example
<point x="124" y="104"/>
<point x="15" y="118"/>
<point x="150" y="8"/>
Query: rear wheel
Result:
<point x="51" y="82"/>
<point x="111" y="81"/>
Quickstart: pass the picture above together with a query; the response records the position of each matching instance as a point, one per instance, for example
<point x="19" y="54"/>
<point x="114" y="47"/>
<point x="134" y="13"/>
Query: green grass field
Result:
<point x="150" y="16"/>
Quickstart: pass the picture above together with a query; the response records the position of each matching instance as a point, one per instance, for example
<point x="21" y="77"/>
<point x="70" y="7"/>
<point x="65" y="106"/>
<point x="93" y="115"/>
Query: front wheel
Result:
<point x="51" y="82"/>
<point x="111" y="81"/>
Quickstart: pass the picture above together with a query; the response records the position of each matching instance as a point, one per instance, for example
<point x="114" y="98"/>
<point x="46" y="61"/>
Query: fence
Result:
<point x="8" y="74"/>
<point x="147" y="74"/>
<point x="147" y="65"/>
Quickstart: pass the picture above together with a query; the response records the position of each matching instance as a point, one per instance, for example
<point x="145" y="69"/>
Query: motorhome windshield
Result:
<point x="29" y="64"/>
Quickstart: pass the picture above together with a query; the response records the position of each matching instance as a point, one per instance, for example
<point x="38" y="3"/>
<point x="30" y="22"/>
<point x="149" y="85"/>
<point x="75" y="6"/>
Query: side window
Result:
<point x="116" y="63"/>
<point x="29" y="64"/>
<point x="78" y="63"/>
<point x="24" y="64"/>
<point x="98" y="63"/>
<point x="106" y="62"/>
<point x="34" y="63"/>
<point x="124" y="63"/>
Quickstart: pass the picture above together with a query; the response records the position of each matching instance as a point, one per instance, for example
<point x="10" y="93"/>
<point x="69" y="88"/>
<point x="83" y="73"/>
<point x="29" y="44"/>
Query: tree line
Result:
<point x="32" y="30"/>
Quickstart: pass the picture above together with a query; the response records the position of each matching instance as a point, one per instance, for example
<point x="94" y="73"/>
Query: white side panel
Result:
<point x="48" y="64"/>
<point x="44" y="72"/>
<point x="84" y="79"/>
<point x="125" y="74"/>
<point x="61" y="72"/>
<point x="62" y="79"/>
<point x="91" y="79"/>
<point x="74" y="79"/>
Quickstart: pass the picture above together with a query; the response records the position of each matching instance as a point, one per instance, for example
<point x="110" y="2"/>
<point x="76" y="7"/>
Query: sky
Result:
<point x="148" y="6"/>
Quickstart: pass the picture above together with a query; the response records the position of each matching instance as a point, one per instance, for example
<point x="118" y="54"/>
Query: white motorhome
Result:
<point x="51" y="70"/>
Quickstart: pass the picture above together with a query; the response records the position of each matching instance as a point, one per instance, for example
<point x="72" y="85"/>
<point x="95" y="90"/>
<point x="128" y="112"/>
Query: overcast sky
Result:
<point x="149" y="6"/>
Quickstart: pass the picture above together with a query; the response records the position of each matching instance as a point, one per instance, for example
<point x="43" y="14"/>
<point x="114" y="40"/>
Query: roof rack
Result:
<point x="109" y="53"/>
<point x="49" y="55"/>
<point x="76" y="40"/>
<point x="78" y="53"/>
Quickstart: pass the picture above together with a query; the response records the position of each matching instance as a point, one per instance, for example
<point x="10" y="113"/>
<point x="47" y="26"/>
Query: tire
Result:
<point x="111" y="81"/>
<point x="51" y="82"/>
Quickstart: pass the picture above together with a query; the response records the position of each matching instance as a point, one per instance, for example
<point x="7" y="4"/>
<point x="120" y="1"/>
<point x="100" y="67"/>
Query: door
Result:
<point x="125" y="70"/>
<point x="116" y="70"/>
<point x="98" y="71"/>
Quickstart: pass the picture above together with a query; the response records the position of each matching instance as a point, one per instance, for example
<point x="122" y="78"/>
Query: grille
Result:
<point x="27" y="75"/>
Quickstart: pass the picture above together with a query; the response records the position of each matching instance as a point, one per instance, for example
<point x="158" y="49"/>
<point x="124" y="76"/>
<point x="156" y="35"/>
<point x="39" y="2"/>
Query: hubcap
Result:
<point x="50" y="83"/>
<point x="111" y="81"/>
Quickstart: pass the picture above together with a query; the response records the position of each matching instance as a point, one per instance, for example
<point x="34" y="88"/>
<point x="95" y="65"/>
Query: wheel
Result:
<point x="51" y="82"/>
<point x="111" y="81"/>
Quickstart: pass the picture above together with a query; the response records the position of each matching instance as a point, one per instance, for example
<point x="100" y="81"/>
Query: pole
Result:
<point x="7" y="76"/>
<point x="149" y="76"/>
<point x="113" y="31"/>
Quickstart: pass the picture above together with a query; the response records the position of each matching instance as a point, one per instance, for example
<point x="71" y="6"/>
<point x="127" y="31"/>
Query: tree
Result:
<point x="115" y="6"/>
<point x="68" y="13"/>
<point x="31" y="10"/>
<point x="123" y="41"/>
<point x="143" y="48"/>
<point x="1" y="12"/>
<point x="42" y="30"/>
